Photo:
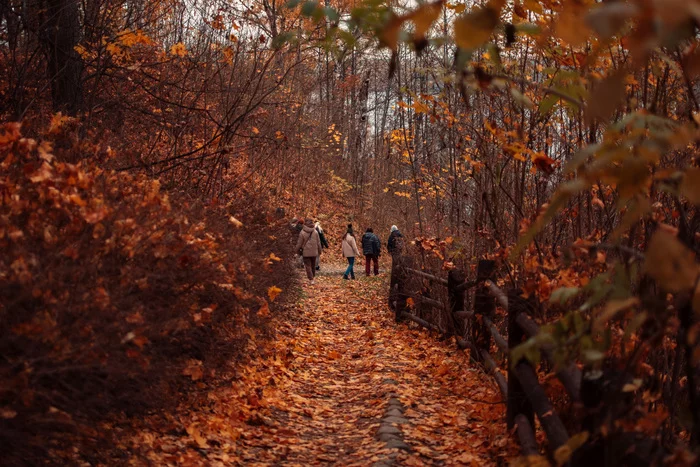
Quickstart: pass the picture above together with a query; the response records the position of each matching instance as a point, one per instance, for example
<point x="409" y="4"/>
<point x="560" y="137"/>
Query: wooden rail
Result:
<point x="474" y="329"/>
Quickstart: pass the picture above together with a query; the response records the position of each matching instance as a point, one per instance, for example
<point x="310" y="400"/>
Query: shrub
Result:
<point x="113" y="297"/>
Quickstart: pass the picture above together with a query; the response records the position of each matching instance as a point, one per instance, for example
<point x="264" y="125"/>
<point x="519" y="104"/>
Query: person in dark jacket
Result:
<point x="394" y="244"/>
<point x="324" y="243"/>
<point x="371" y="248"/>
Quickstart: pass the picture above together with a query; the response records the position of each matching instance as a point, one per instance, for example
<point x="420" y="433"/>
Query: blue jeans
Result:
<point x="351" y="262"/>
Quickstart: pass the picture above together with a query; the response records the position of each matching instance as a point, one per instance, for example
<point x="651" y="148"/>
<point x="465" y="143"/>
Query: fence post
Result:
<point x="399" y="277"/>
<point x="518" y="403"/>
<point x="456" y="300"/>
<point x="484" y="305"/>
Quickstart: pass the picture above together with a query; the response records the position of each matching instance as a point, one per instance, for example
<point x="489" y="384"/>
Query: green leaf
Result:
<point x="548" y="104"/>
<point x="593" y="356"/>
<point x="521" y="98"/>
<point x="528" y="29"/>
<point x="283" y="38"/>
<point x="564" y="294"/>
<point x="331" y="13"/>
<point x="308" y="8"/>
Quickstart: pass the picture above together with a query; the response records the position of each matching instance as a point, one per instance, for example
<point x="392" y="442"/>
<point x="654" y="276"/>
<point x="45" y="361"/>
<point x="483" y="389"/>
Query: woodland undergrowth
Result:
<point x="116" y="297"/>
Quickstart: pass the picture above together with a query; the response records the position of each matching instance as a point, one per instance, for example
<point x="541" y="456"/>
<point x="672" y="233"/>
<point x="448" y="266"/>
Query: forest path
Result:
<point x="341" y="370"/>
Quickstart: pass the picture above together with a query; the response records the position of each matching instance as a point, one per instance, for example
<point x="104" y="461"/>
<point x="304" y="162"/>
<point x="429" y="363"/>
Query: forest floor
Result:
<point x="338" y="370"/>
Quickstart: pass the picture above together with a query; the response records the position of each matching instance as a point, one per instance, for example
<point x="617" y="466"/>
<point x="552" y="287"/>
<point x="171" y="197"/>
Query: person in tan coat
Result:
<point x="350" y="252"/>
<point x="309" y="246"/>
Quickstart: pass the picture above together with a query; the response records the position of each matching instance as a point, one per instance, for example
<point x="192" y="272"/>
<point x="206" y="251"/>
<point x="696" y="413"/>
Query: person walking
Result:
<point x="324" y="243"/>
<point x="309" y="247"/>
<point x="371" y="248"/>
<point x="395" y="242"/>
<point x="350" y="252"/>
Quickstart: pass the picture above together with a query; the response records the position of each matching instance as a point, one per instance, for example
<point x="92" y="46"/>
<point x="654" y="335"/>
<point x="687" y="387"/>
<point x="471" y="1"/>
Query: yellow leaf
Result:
<point x="633" y="386"/>
<point x="273" y="292"/>
<point x="563" y="453"/>
<point x="274" y="257"/>
<point x="421" y="108"/>
<point x="178" y="50"/>
<point x="235" y="222"/>
<point x="255" y="130"/>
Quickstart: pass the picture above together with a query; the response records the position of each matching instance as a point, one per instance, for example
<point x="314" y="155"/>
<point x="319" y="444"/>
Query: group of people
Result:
<point x="311" y="241"/>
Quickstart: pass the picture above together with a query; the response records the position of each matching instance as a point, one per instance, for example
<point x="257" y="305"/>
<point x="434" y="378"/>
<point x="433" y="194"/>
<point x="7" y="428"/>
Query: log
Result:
<point x="484" y="306"/>
<point x="497" y="337"/>
<point x="455" y="299"/>
<point x="422" y="322"/>
<point x="429" y="302"/>
<point x="498" y="294"/>
<point x="527" y="324"/>
<point x="464" y="314"/>
<point x="570" y="376"/>
<point x="518" y="403"/>
<point x="490" y="364"/>
<point x="526" y="436"/>
<point x="466" y="285"/>
<point x="550" y="421"/>
<point x="430" y="277"/>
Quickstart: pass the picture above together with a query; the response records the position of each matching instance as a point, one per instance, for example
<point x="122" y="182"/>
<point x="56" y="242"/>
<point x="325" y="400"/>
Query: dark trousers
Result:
<point x="310" y="266"/>
<point x="375" y="259"/>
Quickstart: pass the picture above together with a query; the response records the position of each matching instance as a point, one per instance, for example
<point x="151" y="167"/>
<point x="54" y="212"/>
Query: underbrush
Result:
<point x="115" y="297"/>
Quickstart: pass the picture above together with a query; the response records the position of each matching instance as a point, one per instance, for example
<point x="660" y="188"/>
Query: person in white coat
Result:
<point x="350" y="252"/>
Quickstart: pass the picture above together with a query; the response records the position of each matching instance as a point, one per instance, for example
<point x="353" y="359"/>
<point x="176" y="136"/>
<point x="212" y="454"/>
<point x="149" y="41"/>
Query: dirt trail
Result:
<point x="341" y="370"/>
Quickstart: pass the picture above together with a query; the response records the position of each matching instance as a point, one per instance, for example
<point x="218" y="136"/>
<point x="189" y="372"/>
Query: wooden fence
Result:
<point x="522" y="391"/>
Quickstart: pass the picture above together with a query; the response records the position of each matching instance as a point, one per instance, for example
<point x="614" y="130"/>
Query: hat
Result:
<point x="394" y="228"/>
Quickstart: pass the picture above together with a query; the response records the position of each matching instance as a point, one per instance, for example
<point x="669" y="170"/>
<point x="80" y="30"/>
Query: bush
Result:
<point x="112" y="296"/>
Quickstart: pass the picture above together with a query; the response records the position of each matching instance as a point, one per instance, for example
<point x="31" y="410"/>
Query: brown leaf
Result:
<point x="670" y="263"/>
<point x="606" y="96"/>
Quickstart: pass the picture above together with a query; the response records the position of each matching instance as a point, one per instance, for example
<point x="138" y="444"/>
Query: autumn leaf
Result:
<point x="235" y="222"/>
<point x="274" y="257"/>
<point x="543" y="163"/>
<point x="563" y="453"/>
<point x="194" y="370"/>
<point x="690" y="187"/>
<point x="178" y="50"/>
<point x="196" y="435"/>
<point x="670" y="263"/>
<point x="273" y="292"/>
<point x="471" y="30"/>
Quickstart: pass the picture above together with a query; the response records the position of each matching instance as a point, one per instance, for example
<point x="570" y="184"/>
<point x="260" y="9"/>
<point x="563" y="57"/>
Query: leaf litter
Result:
<point x="317" y="392"/>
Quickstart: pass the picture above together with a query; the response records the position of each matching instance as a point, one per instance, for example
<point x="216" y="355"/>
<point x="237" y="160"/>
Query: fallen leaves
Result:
<point x="306" y="403"/>
<point x="273" y="292"/>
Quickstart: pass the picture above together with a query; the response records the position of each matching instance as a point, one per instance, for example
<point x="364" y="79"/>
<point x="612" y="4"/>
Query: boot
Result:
<point x="352" y="275"/>
<point x="345" y="276"/>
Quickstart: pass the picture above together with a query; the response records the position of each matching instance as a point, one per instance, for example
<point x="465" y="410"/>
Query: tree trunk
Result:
<point x="60" y="34"/>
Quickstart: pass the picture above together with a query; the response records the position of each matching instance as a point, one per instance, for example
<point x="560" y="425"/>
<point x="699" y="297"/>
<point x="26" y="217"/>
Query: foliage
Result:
<point x="114" y="295"/>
